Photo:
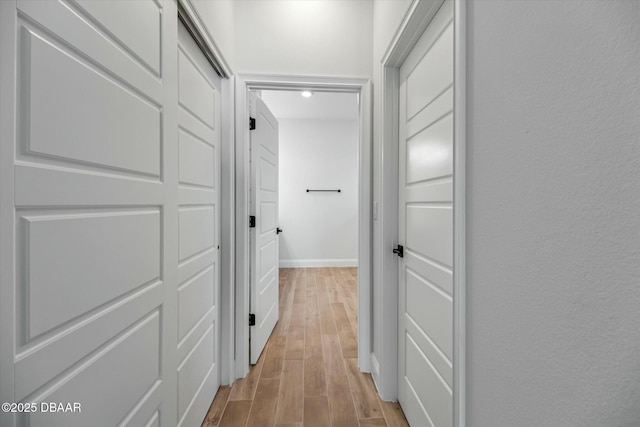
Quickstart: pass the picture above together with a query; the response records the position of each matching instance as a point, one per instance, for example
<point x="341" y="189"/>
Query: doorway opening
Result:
<point x="274" y="86"/>
<point x="317" y="221"/>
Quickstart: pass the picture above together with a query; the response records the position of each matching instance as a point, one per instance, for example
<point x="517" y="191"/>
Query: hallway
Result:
<point x="307" y="374"/>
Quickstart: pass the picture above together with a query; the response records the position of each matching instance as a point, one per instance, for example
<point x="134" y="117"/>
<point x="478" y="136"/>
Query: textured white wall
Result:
<point x="553" y="213"/>
<point x="320" y="229"/>
<point x="218" y="17"/>
<point x="311" y="37"/>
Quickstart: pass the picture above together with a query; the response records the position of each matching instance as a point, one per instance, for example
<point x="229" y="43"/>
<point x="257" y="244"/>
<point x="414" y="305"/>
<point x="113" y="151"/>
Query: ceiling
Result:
<point x="320" y="106"/>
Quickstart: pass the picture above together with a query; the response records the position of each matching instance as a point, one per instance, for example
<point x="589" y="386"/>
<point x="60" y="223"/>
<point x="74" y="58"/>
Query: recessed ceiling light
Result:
<point x="306" y="93"/>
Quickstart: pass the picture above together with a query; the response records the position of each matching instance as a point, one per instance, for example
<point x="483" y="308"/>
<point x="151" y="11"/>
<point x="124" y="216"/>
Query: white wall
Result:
<point x="320" y="229"/>
<point x="553" y="207"/>
<point x="311" y="37"/>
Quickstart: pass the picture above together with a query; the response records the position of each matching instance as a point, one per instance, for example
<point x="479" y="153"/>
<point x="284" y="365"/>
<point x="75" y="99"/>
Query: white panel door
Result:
<point x="426" y="226"/>
<point x="84" y="213"/>
<point x="264" y="237"/>
<point x="109" y="215"/>
<point x="198" y="231"/>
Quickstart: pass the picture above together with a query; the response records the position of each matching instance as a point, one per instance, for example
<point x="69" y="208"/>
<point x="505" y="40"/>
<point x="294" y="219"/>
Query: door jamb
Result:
<point x="416" y="20"/>
<point x="244" y="83"/>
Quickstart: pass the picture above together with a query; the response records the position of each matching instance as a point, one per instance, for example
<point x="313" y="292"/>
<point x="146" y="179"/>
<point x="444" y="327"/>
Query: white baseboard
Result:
<point x="375" y="371"/>
<point x="302" y="263"/>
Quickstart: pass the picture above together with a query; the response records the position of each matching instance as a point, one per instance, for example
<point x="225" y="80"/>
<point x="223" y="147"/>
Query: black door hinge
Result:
<point x="399" y="250"/>
<point x="252" y="221"/>
<point x="252" y="123"/>
<point x="252" y="319"/>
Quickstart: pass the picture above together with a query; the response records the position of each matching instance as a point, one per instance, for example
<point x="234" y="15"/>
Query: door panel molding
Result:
<point x="74" y="216"/>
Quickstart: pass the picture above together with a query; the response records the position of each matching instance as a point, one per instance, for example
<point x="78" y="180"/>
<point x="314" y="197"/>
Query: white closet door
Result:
<point x="426" y="226"/>
<point x="264" y="237"/>
<point x="198" y="231"/>
<point x="109" y="191"/>
<point x="83" y="217"/>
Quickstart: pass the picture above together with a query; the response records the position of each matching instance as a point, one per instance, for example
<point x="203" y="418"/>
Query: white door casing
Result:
<point x="426" y="180"/>
<point x="264" y="239"/>
<point x="243" y="85"/>
<point x="92" y="198"/>
<point x="198" y="231"/>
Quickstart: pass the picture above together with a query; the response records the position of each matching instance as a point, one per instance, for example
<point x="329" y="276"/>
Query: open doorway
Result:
<point x="322" y="379"/>
<point x="318" y="216"/>
<point x="304" y="179"/>
<point x="245" y="85"/>
<point x="318" y="177"/>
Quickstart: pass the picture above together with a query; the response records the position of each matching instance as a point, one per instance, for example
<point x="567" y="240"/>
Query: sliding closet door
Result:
<point x="109" y="207"/>
<point x="198" y="231"/>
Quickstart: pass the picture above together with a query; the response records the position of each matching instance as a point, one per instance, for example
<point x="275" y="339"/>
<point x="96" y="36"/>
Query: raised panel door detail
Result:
<point x="154" y="421"/>
<point x="433" y="74"/>
<point x="437" y="224"/>
<point x="430" y="152"/>
<point x="434" y="111"/>
<point x="196" y="230"/>
<point x="433" y="394"/>
<point x="135" y="24"/>
<point x="73" y="112"/>
<point x="195" y="369"/>
<point x="95" y="41"/>
<point x="197" y="161"/>
<point x="195" y="298"/>
<point x="76" y="262"/>
<point x="57" y="354"/>
<point x="432" y="310"/>
<point x="196" y="93"/>
<point x="270" y="145"/>
<point x="268" y="298"/>
<point x="268" y="178"/>
<point x="268" y="216"/>
<point x="268" y="258"/>
<point x="89" y="211"/>
<point x="133" y="366"/>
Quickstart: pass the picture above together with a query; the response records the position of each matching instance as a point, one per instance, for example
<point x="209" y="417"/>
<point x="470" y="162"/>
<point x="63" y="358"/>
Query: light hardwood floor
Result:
<point x="308" y="373"/>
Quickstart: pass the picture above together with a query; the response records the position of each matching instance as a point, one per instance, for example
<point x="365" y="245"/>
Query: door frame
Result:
<point x="361" y="86"/>
<point x="416" y="20"/>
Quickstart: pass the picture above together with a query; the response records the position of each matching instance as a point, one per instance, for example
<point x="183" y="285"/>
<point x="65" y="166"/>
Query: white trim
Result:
<point x="362" y="86"/>
<point x="417" y="18"/>
<point x="241" y="286"/>
<point x="459" y="212"/>
<point x="375" y="366"/>
<point x="387" y="377"/>
<point x="227" y="237"/>
<point x="221" y="65"/>
<point x="8" y="113"/>
<point x="415" y="21"/>
<point x="312" y="263"/>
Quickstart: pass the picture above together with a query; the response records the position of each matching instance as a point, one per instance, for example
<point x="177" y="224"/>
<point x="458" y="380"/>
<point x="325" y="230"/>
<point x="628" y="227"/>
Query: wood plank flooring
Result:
<point x="308" y="372"/>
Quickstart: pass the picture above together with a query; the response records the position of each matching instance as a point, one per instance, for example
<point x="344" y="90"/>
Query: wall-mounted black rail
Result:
<point x="331" y="191"/>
